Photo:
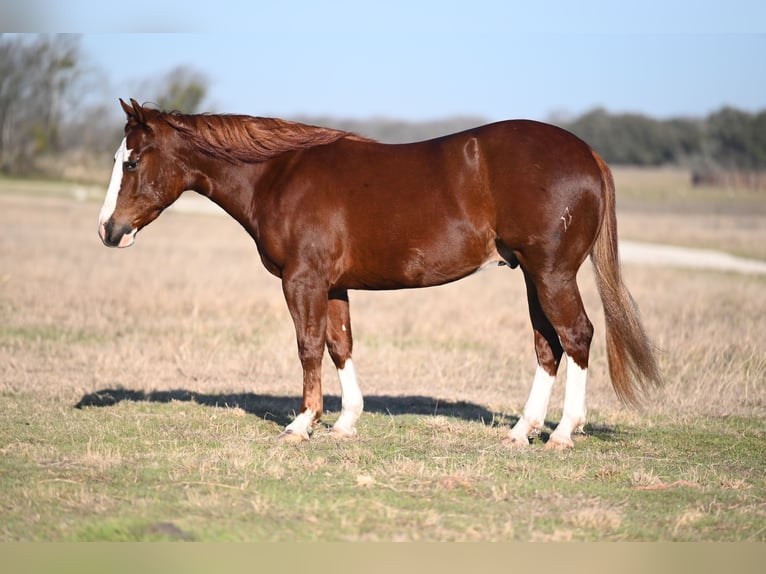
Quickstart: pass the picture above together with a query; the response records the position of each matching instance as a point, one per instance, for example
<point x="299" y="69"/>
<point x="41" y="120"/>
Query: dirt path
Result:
<point x="688" y="258"/>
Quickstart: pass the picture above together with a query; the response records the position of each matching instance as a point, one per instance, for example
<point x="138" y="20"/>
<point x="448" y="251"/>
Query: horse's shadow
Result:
<point x="280" y="409"/>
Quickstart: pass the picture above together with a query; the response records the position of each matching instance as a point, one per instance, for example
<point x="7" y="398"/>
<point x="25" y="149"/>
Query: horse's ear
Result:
<point x="134" y="111"/>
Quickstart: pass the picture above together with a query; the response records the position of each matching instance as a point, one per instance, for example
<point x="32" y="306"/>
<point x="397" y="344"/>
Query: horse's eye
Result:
<point x="131" y="165"/>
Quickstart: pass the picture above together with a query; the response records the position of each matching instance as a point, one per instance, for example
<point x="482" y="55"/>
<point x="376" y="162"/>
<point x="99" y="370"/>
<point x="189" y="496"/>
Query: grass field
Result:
<point x="141" y="392"/>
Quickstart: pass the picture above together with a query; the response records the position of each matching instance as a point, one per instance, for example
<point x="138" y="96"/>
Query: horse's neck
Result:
<point x="232" y="188"/>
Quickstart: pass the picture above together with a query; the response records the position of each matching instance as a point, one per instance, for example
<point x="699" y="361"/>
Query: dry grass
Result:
<point x="189" y="307"/>
<point x="188" y="313"/>
<point x="661" y="206"/>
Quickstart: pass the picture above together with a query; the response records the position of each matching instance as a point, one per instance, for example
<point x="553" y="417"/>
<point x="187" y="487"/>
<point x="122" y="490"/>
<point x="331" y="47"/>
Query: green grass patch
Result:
<point x="181" y="471"/>
<point x="25" y="334"/>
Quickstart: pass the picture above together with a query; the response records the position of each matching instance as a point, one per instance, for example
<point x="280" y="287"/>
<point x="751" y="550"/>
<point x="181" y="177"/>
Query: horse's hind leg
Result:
<point x="549" y="352"/>
<point x="339" y="345"/>
<point x="561" y="302"/>
<point x="561" y="326"/>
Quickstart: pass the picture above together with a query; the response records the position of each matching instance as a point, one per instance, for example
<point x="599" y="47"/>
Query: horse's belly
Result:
<point x="424" y="266"/>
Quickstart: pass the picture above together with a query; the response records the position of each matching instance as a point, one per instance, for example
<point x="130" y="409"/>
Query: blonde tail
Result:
<point x="632" y="364"/>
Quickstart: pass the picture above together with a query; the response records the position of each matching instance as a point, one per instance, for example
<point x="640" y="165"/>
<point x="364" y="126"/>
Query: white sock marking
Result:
<point x="537" y="403"/>
<point x="573" y="417"/>
<point x="574" y="400"/>
<point x="536" y="407"/>
<point x="352" y="402"/>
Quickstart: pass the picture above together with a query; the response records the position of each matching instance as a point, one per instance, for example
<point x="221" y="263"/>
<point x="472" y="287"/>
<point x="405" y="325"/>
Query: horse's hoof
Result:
<point x="515" y="441"/>
<point x="341" y="433"/>
<point x="556" y="443"/>
<point x="290" y="436"/>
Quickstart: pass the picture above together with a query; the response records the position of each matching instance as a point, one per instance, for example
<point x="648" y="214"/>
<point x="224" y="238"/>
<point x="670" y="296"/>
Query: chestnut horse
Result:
<point x="330" y="211"/>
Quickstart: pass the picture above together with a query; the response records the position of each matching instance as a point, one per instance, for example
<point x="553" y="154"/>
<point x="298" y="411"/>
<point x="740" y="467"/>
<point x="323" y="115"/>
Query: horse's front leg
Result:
<point x="339" y="344"/>
<point x="307" y="301"/>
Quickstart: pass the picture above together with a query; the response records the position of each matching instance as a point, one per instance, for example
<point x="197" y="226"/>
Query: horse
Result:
<point x="331" y="211"/>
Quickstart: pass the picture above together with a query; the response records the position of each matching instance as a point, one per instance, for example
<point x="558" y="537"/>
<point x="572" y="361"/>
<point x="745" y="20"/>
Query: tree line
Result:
<point x="727" y="139"/>
<point x="42" y="115"/>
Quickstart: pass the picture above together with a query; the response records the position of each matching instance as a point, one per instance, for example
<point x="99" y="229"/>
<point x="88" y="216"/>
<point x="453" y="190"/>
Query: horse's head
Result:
<point x="147" y="177"/>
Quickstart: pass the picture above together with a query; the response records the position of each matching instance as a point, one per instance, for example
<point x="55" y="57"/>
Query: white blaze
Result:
<point x="110" y="202"/>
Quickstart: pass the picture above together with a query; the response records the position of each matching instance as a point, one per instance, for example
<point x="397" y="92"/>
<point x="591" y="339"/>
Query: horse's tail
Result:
<point x="632" y="365"/>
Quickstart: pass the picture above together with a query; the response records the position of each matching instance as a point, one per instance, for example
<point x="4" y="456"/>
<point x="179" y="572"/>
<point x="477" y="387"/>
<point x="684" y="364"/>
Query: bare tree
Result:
<point x="183" y="89"/>
<point x="36" y="73"/>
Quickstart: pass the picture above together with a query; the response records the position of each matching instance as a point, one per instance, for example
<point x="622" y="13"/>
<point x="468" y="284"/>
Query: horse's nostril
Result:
<point x="113" y="234"/>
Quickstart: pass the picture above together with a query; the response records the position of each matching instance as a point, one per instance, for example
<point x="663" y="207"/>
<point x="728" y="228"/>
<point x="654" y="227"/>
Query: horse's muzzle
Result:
<point x="116" y="235"/>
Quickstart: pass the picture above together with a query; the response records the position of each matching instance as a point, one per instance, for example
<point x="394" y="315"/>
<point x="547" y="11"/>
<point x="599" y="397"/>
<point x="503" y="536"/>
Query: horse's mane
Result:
<point x="247" y="138"/>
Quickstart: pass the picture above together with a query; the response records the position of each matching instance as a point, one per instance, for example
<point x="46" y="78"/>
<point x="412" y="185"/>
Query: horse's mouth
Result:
<point x="113" y="236"/>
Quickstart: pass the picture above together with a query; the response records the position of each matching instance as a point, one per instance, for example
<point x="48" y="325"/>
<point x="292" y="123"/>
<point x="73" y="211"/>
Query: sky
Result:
<point x="431" y="59"/>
